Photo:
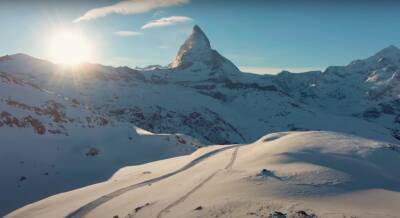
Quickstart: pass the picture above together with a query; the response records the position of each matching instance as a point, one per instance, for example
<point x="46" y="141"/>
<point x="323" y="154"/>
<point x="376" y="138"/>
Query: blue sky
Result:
<point x="257" y="35"/>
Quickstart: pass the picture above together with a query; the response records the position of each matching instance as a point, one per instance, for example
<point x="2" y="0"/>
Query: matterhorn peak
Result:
<point x="197" y="40"/>
<point x="195" y="48"/>
<point x="197" y="53"/>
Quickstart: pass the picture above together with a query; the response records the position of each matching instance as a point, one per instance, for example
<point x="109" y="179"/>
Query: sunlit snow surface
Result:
<point x="321" y="173"/>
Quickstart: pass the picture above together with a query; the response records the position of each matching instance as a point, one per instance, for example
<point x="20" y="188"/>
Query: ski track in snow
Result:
<point x="201" y="184"/>
<point x="233" y="159"/>
<point x="181" y="199"/>
<point x="85" y="209"/>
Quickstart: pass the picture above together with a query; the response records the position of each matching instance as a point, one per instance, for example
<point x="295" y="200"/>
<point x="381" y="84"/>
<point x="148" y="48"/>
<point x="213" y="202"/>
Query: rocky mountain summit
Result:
<point x="196" y="53"/>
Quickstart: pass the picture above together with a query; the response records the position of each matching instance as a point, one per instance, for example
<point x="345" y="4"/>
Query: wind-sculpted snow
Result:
<point x="61" y="114"/>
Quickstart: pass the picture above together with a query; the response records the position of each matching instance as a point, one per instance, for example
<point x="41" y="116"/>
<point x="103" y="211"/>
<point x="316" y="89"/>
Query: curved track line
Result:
<point x="85" y="209"/>
<point x="181" y="199"/>
<point x="233" y="159"/>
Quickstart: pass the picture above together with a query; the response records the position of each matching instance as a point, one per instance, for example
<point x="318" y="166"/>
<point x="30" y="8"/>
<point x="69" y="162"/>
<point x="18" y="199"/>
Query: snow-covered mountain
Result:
<point x="287" y="174"/>
<point x="71" y="127"/>
<point x="196" y="55"/>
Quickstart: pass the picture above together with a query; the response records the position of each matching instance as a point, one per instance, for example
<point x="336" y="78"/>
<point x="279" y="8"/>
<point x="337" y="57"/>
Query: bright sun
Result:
<point x="69" y="47"/>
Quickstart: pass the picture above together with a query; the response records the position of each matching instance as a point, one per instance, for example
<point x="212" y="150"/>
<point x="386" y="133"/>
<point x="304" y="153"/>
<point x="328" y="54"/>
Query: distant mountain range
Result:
<point x="62" y="128"/>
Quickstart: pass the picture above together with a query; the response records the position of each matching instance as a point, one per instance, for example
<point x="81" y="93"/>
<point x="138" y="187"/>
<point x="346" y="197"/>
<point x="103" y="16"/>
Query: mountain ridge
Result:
<point x="198" y="43"/>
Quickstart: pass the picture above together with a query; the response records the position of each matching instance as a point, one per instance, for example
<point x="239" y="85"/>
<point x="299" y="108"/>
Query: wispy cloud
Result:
<point x="129" y="7"/>
<point x="166" y="21"/>
<point x="276" y="70"/>
<point x="127" y="33"/>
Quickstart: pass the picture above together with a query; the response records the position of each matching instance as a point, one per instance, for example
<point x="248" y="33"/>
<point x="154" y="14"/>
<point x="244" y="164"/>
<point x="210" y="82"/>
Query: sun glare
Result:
<point x="69" y="47"/>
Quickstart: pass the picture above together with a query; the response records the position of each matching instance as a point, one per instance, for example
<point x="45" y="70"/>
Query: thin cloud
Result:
<point x="129" y="7"/>
<point x="127" y="33"/>
<point x="166" y="21"/>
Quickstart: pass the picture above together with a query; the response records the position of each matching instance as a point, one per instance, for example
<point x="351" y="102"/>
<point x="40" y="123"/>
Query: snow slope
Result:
<point x="324" y="174"/>
<point x="71" y="127"/>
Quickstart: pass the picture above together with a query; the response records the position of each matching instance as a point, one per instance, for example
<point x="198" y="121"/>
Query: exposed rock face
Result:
<point x="196" y="48"/>
<point x="196" y="53"/>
